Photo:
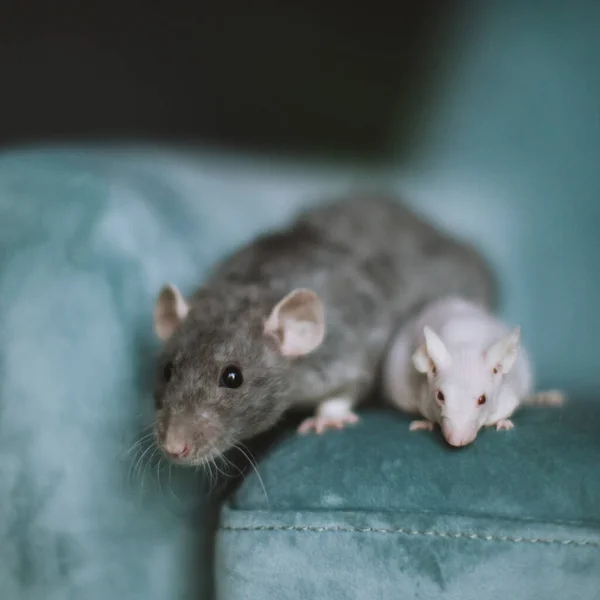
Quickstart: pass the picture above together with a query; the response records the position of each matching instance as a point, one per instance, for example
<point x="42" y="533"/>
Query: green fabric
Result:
<point x="79" y="265"/>
<point x="376" y="511"/>
<point x="87" y="237"/>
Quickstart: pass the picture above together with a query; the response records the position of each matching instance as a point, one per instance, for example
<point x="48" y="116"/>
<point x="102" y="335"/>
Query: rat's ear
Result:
<point x="501" y="355"/>
<point x="421" y="360"/>
<point x="431" y="354"/>
<point x="170" y="309"/>
<point x="297" y="323"/>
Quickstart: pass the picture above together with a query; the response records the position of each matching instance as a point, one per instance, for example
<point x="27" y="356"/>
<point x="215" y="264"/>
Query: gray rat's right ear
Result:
<point x="297" y="323"/>
<point x="170" y="309"/>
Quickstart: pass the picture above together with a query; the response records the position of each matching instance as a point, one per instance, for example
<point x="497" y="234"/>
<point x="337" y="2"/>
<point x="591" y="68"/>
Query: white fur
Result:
<point x="453" y="346"/>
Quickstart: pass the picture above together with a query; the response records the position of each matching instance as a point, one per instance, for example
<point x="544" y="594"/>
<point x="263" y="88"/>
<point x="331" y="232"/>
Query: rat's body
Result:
<point x="304" y="315"/>
<point x="458" y="366"/>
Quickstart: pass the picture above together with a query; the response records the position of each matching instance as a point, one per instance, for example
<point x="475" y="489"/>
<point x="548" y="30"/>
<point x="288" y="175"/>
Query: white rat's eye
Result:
<point x="481" y="400"/>
<point x="440" y="396"/>
<point x="231" y="377"/>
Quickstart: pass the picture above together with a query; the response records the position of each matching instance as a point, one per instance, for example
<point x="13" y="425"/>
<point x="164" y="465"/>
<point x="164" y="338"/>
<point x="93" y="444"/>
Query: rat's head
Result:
<point x="465" y="383"/>
<point x="223" y="375"/>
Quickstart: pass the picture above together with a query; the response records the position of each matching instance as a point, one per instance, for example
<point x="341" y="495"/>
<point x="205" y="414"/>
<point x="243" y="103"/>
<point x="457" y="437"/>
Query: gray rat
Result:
<point x="299" y="317"/>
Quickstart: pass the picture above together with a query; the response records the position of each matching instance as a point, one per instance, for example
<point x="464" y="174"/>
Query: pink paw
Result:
<point x="421" y="426"/>
<point x="321" y="423"/>
<point x="505" y="425"/>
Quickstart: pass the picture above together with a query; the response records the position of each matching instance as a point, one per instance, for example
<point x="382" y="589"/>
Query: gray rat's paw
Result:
<point x="321" y="423"/>
<point x="504" y="425"/>
<point x="421" y="426"/>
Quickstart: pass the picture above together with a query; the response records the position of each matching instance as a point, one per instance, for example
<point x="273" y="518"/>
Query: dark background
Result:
<point x="298" y="77"/>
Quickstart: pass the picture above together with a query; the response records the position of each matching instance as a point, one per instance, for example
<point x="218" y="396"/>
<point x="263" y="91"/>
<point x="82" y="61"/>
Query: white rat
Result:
<point x="458" y="366"/>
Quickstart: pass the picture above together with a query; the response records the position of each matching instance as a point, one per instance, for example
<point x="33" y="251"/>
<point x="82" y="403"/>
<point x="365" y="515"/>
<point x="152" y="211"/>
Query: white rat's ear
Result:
<point x="435" y="348"/>
<point x="432" y="354"/>
<point x="170" y="309"/>
<point x="297" y="323"/>
<point x="501" y="355"/>
<point x="421" y="360"/>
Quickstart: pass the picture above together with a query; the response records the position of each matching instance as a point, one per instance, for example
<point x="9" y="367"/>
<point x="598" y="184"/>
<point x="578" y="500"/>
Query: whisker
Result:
<point x="140" y="442"/>
<point x="171" y="485"/>
<point x="230" y="463"/>
<point x="149" y="464"/>
<point x="144" y="465"/>
<point x="255" y="467"/>
<point x="214" y="461"/>
<point x="137" y="462"/>
<point x="207" y="467"/>
<point x="158" y="475"/>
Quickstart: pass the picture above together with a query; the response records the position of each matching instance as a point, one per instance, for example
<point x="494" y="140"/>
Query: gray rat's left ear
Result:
<point x="297" y="323"/>
<point x="170" y="309"/>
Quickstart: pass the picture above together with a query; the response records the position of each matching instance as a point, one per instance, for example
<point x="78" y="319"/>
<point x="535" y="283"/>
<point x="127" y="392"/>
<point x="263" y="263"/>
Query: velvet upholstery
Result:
<point x="378" y="511"/>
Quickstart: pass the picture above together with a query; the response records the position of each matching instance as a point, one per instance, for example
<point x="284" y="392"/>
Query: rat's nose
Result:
<point x="457" y="438"/>
<point x="176" y="448"/>
<point x="458" y="442"/>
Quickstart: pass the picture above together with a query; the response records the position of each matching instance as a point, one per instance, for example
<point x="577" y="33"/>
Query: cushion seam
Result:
<point x="419" y="512"/>
<point x="418" y="532"/>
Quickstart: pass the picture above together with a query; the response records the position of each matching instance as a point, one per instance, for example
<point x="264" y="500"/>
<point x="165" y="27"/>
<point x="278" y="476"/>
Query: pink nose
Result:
<point x="457" y="438"/>
<point x="457" y="442"/>
<point x="176" y="449"/>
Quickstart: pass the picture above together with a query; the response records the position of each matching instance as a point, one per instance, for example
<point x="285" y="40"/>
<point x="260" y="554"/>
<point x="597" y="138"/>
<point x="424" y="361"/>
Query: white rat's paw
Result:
<point x="504" y="425"/>
<point x="321" y="423"/>
<point x="421" y="426"/>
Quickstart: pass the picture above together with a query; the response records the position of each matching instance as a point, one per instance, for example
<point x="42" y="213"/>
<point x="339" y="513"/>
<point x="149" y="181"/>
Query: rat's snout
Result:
<point x="458" y="435"/>
<point x="173" y="441"/>
<point x="176" y="448"/>
<point x="187" y="437"/>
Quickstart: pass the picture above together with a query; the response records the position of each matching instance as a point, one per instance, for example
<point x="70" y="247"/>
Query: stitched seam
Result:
<point x="592" y="523"/>
<point x="424" y="533"/>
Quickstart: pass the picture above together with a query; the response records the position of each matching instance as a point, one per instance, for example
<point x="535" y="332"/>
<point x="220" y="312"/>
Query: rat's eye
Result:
<point x="481" y="400"/>
<point x="231" y="377"/>
<point x="440" y="396"/>
<point x="168" y="371"/>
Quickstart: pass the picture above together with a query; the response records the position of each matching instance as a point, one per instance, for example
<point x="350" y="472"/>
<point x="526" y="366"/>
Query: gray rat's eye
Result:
<point x="440" y="396"/>
<point x="231" y="377"/>
<point x="168" y="371"/>
<point x="481" y="400"/>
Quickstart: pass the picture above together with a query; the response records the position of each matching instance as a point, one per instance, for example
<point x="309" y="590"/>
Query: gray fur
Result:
<point x="372" y="262"/>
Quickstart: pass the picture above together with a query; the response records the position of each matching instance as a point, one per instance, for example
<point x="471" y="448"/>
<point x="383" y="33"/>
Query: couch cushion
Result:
<point x="378" y="511"/>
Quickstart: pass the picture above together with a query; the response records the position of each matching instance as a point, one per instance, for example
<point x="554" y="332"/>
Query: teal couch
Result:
<point x="507" y="159"/>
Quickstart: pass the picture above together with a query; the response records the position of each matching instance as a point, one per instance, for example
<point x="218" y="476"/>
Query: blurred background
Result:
<point x="296" y="77"/>
<point x="483" y="114"/>
<point x="139" y="143"/>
